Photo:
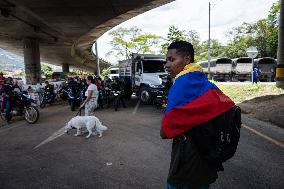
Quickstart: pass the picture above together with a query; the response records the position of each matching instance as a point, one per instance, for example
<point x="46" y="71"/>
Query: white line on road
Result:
<point x="136" y="108"/>
<point x="54" y="136"/>
<point x="280" y="144"/>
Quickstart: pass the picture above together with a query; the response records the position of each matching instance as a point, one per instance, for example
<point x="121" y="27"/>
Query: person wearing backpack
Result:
<point x="193" y="102"/>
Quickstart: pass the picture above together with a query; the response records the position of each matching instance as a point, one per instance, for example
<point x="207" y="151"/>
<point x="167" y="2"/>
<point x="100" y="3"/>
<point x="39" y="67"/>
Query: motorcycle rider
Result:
<point x="116" y="86"/>
<point x="49" y="88"/>
<point x="7" y="98"/>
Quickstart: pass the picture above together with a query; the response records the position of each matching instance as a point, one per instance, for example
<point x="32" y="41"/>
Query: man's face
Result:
<point x="175" y="62"/>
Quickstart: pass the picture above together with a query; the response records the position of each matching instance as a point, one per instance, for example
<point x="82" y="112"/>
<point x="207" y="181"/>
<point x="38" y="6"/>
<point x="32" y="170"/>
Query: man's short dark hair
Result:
<point x="183" y="47"/>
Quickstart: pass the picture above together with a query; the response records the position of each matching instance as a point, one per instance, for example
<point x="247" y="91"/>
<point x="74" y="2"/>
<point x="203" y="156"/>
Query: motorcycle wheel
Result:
<point x="116" y="101"/>
<point x="31" y="114"/>
<point x="42" y="104"/>
<point x="72" y="104"/>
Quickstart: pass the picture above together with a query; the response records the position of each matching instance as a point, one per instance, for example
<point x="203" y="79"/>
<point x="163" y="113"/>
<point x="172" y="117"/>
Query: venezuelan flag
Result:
<point x="192" y="100"/>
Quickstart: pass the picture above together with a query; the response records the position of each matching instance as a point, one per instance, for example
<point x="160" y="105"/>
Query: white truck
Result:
<point x="143" y="75"/>
<point x="223" y="70"/>
<point x="113" y="72"/>
<point x="242" y="68"/>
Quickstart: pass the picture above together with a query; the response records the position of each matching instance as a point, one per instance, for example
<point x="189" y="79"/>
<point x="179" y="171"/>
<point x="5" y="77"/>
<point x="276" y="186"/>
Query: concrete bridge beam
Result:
<point x="32" y="60"/>
<point x="65" y="68"/>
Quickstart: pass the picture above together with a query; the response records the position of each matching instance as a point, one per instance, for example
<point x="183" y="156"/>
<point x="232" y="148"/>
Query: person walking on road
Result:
<point x="192" y="101"/>
<point x="91" y="102"/>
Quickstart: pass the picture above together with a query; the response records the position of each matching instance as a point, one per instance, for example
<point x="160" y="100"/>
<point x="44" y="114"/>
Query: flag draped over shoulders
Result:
<point x="192" y="100"/>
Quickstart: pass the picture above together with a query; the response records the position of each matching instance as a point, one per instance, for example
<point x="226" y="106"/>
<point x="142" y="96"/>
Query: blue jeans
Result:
<point x="8" y="107"/>
<point x="184" y="187"/>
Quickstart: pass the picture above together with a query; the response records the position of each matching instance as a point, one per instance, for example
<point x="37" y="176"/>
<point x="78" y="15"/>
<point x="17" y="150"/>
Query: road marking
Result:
<point x="52" y="137"/>
<point x="280" y="144"/>
<point x="136" y="108"/>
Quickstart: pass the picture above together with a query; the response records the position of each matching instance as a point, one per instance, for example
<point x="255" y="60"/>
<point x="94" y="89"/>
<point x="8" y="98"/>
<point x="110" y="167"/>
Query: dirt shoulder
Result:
<point x="263" y="101"/>
<point x="266" y="108"/>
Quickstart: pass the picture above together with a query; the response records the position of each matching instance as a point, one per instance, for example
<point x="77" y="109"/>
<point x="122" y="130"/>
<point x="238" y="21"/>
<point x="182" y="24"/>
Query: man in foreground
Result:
<point x="192" y="101"/>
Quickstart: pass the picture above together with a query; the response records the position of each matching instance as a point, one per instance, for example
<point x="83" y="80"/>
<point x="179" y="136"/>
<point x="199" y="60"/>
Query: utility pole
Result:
<point x="209" y="43"/>
<point x="97" y="59"/>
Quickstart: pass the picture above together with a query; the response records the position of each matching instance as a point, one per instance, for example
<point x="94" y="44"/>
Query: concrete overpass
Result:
<point x="62" y="32"/>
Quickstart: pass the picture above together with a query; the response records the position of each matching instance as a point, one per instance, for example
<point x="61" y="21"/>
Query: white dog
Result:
<point x="90" y="122"/>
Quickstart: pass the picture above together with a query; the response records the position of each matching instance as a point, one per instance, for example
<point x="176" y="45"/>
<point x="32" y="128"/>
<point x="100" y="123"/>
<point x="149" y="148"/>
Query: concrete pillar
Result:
<point x="65" y="68"/>
<point x="280" y="55"/>
<point x="32" y="60"/>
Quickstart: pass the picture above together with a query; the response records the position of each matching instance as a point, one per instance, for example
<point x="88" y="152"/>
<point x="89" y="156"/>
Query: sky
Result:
<point x="193" y="15"/>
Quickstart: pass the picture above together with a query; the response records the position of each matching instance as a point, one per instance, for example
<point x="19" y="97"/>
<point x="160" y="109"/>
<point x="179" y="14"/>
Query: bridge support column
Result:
<point x="65" y="68"/>
<point x="280" y="54"/>
<point x="32" y="60"/>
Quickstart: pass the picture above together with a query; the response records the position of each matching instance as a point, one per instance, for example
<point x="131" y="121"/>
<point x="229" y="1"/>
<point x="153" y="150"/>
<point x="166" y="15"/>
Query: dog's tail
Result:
<point x="101" y="126"/>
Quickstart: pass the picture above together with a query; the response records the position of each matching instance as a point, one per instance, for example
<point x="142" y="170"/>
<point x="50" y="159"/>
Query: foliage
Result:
<point x="46" y="70"/>
<point x="127" y="41"/>
<point x="274" y="14"/>
<point x="174" y="34"/>
<point x="263" y="34"/>
<point x="200" y="48"/>
<point x="105" y="72"/>
<point x="2" y="72"/>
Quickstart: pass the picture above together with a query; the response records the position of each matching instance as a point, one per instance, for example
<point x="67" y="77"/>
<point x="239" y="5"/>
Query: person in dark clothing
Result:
<point x="168" y="84"/>
<point x="255" y="75"/>
<point x="7" y="98"/>
<point x="116" y="86"/>
<point x="187" y="100"/>
<point x="49" y="88"/>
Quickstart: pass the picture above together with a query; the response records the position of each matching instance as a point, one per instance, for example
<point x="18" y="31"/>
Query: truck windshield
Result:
<point x="244" y="60"/>
<point x="113" y="71"/>
<point x="223" y="61"/>
<point x="153" y="66"/>
<point x="266" y="61"/>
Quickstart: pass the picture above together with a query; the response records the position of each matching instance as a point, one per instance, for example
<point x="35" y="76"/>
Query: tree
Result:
<point x="274" y="14"/>
<point x="46" y="70"/>
<point x="105" y="73"/>
<point x="261" y="34"/>
<point x="126" y="41"/>
<point x="145" y="43"/>
<point x="174" y="34"/>
<point x="193" y="37"/>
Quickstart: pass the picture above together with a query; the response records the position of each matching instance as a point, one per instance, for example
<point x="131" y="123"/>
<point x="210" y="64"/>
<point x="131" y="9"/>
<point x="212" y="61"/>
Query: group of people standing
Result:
<point x="95" y="92"/>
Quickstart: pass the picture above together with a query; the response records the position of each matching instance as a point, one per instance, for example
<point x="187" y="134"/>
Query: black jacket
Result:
<point x="187" y="166"/>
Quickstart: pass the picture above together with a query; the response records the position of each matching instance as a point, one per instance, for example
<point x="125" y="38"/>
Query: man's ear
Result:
<point x="187" y="59"/>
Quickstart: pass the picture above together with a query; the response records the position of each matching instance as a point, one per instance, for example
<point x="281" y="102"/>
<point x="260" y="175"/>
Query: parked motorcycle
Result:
<point x="62" y="93"/>
<point x="23" y="106"/>
<point x="160" y="100"/>
<point x="47" y="98"/>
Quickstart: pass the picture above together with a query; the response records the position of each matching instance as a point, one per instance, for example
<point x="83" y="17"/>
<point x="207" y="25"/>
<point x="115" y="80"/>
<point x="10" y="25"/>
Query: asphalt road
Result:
<point x="130" y="154"/>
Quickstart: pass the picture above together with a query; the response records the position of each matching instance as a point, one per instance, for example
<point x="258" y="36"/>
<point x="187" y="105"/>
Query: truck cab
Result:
<point x="223" y="70"/>
<point x="113" y="72"/>
<point x="242" y="68"/>
<point x="147" y="74"/>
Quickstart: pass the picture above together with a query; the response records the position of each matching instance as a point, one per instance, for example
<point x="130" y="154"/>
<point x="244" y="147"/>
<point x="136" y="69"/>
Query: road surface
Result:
<point x="129" y="155"/>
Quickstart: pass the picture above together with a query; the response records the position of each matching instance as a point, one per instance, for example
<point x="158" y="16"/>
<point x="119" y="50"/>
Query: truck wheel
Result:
<point x="145" y="95"/>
